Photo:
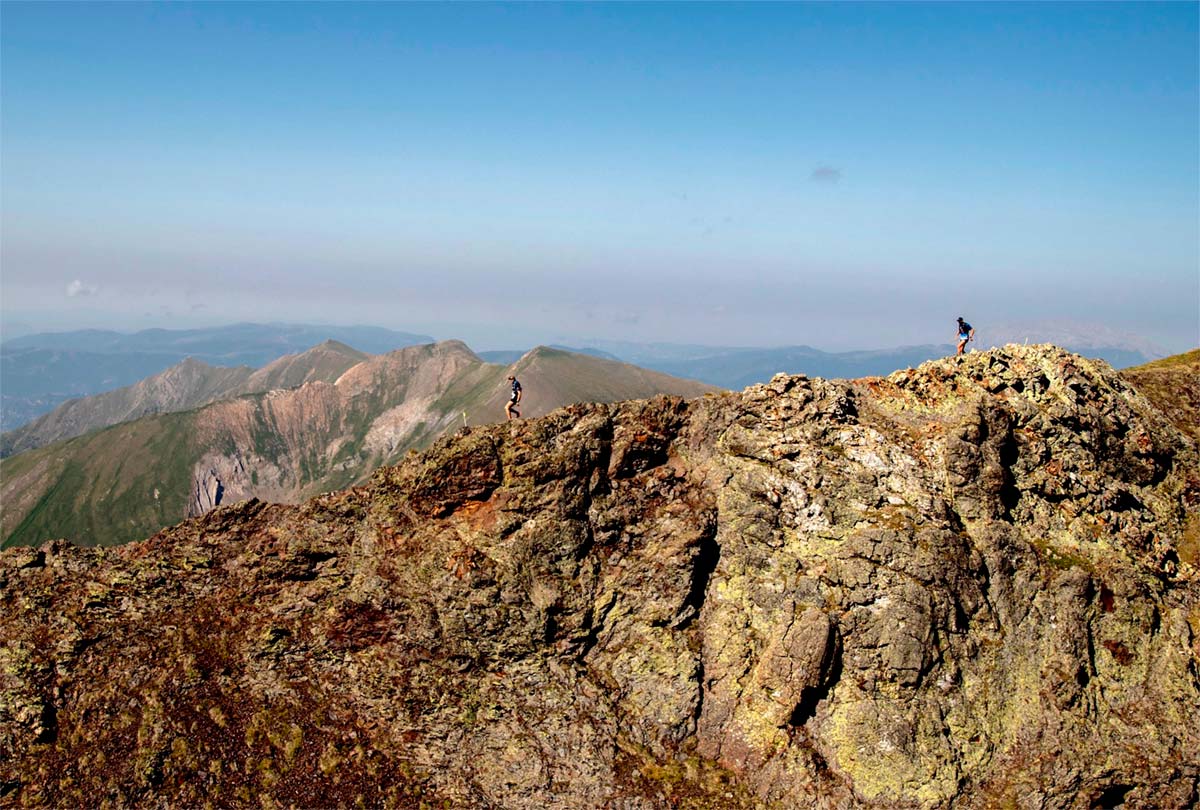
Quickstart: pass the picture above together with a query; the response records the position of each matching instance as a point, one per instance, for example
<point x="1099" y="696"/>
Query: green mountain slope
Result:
<point x="1173" y="384"/>
<point x="129" y="480"/>
<point x="110" y="484"/>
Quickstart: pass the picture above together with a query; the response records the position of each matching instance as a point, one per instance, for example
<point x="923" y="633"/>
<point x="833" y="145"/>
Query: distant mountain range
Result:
<point x="201" y="436"/>
<point x="240" y="343"/>
<point x="736" y="367"/>
<point x="186" y="385"/>
<point x="41" y="371"/>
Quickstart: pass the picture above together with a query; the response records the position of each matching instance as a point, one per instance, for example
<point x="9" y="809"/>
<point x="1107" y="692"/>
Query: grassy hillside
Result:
<point x="108" y="487"/>
<point x="1173" y="384"/>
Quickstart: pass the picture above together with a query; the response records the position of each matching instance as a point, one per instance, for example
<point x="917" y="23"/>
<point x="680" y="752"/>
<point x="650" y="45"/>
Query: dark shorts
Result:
<point x="512" y="400"/>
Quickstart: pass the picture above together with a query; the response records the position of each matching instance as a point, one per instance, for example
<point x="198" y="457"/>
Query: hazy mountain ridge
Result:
<point x="1088" y="339"/>
<point x="967" y="585"/>
<point x="189" y="384"/>
<point x="736" y="367"/>
<point x="233" y="343"/>
<point x="40" y="371"/>
<point x="125" y="481"/>
<point x="35" y="381"/>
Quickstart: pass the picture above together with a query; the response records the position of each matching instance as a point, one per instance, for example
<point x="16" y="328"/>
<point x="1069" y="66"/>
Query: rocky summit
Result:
<point x="973" y="584"/>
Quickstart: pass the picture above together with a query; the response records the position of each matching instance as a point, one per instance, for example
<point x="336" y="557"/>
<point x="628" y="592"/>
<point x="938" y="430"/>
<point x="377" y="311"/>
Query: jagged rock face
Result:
<point x="219" y="478"/>
<point x="960" y="585"/>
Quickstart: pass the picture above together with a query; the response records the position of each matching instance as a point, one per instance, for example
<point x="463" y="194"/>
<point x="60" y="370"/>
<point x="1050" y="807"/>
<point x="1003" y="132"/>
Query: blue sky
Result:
<point x="847" y="176"/>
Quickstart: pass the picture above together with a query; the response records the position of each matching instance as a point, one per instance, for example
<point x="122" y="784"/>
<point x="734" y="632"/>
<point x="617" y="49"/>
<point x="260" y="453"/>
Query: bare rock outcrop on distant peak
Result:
<point x="965" y="585"/>
<point x="228" y="478"/>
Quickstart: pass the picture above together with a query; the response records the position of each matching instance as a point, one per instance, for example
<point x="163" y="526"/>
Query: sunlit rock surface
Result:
<point x="972" y="583"/>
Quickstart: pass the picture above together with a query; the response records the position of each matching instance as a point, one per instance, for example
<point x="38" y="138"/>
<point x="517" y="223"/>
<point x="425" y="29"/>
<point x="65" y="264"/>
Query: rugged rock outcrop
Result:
<point x="218" y="479"/>
<point x="961" y="585"/>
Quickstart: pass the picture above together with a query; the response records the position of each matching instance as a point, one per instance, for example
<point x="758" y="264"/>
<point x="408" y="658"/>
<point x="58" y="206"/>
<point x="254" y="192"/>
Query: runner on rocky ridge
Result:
<point x="510" y="410"/>
<point x="966" y="333"/>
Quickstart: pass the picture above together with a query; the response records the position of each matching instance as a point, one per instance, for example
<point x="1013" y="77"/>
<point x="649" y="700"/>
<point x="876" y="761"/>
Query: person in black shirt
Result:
<point x="965" y="334"/>
<point x="510" y="409"/>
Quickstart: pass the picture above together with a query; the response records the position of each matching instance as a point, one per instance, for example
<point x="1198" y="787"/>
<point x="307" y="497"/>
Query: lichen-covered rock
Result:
<point x="959" y="585"/>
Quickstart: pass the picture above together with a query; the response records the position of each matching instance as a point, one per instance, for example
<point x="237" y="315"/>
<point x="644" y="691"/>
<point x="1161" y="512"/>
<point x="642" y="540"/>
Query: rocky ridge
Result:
<point x="959" y="586"/>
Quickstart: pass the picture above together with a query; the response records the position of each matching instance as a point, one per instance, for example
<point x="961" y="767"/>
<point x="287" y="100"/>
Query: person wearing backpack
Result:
<point x="510" y="410"/>
<point x="966" y="333"/>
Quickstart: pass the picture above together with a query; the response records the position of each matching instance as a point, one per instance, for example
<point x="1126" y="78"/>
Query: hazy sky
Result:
<point x="847" y="176"/>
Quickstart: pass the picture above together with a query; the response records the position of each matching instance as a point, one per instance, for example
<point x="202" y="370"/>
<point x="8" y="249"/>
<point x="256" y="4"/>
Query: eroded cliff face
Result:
<point x="966" y="583"/>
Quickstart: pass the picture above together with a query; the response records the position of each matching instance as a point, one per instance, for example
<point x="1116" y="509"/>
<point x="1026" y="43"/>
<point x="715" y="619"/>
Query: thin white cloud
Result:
<point x="79" y="289"/>
<point x="826" y="174"/>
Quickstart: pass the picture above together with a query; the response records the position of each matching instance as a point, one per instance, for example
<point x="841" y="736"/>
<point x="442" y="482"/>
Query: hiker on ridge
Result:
<point x="966" y="333"/>
<point x="510" y="409"/>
